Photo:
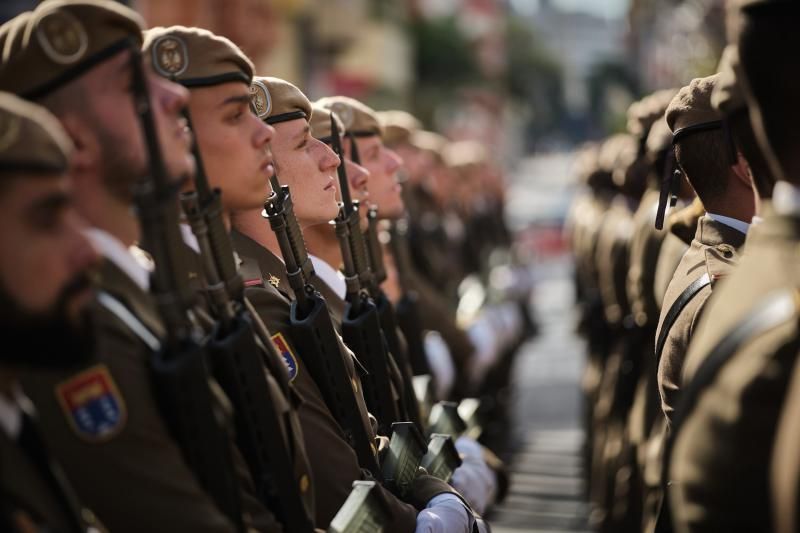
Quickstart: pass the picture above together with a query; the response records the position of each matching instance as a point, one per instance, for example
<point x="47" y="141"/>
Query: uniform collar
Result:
<point x="712" y="232"/>
<point x="189" y="238"/>
<point x="786" y="199"/>
<point x="329" y="275"/>
<point x="11" y="414"/>
<point x="731" y="222"/>
<point x="112" y="249"/>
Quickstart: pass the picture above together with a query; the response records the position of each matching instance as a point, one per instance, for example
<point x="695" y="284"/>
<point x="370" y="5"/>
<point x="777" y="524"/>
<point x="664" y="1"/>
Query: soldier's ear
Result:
<point x="86" y="154"/>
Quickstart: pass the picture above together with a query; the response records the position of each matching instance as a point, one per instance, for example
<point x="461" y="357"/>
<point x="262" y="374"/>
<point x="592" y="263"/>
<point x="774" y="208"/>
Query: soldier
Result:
<point x="308" y="167"/>
<point x="745" y="346"/>
<point x="234" y="144"/>
<point x="474" y="479"/>
<point x="725" y="188"/>
<point x="46" y="264"/>
<point x="103" y="421"/>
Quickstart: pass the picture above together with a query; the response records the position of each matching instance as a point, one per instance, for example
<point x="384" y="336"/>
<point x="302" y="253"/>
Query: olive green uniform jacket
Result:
<point x="333" y="462"/>
<point x="125" y="465"/>
<point x="714" y="251"/>
<point x="720" y="462"/>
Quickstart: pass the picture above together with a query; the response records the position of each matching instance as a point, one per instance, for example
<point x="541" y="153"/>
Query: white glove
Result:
<point x="441" y="363"/>
<point x="445" y="513"/>
<point x="487" y="351"/>
<point x="474" y="479"/>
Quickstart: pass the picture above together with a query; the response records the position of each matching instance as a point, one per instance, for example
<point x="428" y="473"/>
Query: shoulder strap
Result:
<point x="775" y="310"/>
<point x="672" y="315"/>
<point x="129" y="319"/>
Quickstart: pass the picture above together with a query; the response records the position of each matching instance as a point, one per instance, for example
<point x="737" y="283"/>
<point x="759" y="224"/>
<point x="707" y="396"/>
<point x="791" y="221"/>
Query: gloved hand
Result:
<point x="445" y="513"/>
<point x="474" y="479"/>
<point x="441" y="363"/>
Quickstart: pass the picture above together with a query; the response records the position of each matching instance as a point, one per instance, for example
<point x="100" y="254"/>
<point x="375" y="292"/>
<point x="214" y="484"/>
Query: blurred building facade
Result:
<point x="673" y="41"/>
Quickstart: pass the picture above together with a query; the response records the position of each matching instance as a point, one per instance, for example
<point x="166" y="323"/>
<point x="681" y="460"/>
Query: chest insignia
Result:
<point x="289" y="358"/>
<point x="92" y="403"/>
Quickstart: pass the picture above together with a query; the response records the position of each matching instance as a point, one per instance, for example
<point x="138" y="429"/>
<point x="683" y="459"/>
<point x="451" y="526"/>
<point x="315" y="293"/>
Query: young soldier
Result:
<point x="234" y="147"/>
<point x="309" y="168"/>
<point x="740" y="360"/>
<point x="473" y="479"/>
<point x="104" y="422"/>
<point x="723" y="185"/>
<point x="44" y="288"/>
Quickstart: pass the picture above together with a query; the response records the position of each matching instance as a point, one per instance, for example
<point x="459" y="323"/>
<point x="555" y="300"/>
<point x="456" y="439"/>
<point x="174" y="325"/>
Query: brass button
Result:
<point x="304" y="483"/>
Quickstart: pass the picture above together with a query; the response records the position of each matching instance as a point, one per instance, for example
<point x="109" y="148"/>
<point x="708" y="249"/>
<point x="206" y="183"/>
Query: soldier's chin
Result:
<point x="42" y="341"/>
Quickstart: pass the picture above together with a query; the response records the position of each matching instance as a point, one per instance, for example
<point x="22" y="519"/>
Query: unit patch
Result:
<point x="93" y="404"/>
<point x="288" y="356"/>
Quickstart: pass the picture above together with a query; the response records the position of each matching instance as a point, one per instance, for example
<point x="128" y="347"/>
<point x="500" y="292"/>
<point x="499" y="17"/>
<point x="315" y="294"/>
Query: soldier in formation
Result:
<point x="234" y="317"/>
<point x="712" y="290"/>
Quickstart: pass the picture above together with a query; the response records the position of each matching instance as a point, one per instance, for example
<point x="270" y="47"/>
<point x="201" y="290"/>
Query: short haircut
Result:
<point x="745" y="140"/>
<point x="705" y="158"/>
<point x="767" y="43"/>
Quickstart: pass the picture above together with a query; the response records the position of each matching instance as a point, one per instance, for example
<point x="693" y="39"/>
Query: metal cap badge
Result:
<point x="62" y="37"/>
<point x="260" y="99"/>
<point x="170" y="56"/>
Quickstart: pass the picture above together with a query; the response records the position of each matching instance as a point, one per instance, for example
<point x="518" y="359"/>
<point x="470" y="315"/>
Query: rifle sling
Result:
<point x="775" y="310"/>
<point x="678" y="306"/>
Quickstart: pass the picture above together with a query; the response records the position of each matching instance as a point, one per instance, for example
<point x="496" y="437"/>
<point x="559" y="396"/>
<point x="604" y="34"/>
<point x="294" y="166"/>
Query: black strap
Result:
<point x="30" y="441"/>
<point x="678" y="305"/>
<point x="775" y="310"/>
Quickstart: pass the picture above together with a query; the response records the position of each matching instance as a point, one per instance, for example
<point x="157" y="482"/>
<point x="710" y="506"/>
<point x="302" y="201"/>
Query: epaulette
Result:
<point x="251" y="273"/>
<point x="720" y="261"/>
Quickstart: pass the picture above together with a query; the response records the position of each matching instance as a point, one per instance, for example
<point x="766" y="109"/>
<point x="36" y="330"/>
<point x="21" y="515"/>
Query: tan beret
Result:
<point x="50" y="46"/>
<point x="644" y="113"/>
<point x="691" y="109"/>
<point x="464" y="154"/>
<point x="275" y="100"/>
<point x="660" y="136"/>
<point x="359" y="119"/>
<point x="31" y="139"/>
<point x="398" y="126"/>
<point x="428" y="141"/>
<point x="320" y="123"/>
<point x="727" y="97"/>
<point x="195" y="57"/>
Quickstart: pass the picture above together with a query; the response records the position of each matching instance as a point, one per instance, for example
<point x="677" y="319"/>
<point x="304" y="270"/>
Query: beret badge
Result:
<point x="62" y="37"/>
<point x="260" y="99"/>
<point x="344" y="112"/>
<point x="170" y="56"/>
<point x="9" y="130"/>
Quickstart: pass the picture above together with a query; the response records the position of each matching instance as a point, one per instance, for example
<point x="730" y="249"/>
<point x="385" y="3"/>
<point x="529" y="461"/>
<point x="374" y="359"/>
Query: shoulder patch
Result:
<point x="92" y="403"/>
<point x="289" y="358"/>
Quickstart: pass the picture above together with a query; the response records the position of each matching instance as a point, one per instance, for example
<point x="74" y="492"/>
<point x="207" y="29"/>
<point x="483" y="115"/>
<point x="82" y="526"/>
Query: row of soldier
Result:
<point x="176" y="358"/>
<point x="691" y="318"/>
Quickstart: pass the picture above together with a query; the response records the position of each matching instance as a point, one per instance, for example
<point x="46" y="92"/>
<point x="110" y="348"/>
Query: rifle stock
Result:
<point x="179" y="370"/>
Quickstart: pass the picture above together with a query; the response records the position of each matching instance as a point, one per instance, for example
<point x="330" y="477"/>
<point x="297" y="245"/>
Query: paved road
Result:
<point x="547" y="489"/>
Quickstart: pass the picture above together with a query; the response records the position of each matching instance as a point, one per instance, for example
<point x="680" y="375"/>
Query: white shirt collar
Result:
<point x="189" y="238"/>
<point x="738" y="225"/>
<point x="786" y="198"/>
<point x="11" y="414"/>
<point x="112" y="249"/>
<point x="329" y="275"/>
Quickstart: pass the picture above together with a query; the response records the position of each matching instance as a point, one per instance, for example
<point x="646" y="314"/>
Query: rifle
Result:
<point x="388" y="319"/>
<point x="313" y="331"/>
<point x="442" y="458"/>
<point x="406" y="449"/>
<point x="238" y="351"/>
<point x="407" y="309"/>
<point x="179" y="368"/>
<point x="361" y="327"/>
<point x="364" y="511"/>
<point x="456" y="419"/>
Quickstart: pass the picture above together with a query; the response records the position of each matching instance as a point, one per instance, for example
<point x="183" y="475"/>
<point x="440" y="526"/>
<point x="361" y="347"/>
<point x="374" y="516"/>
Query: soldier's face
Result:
<point x="358" y="179"/>
<point x="234" y="144"/>
<point x="119" y="141"/>
<point x="45" y="262"/>
<point x="383" y="165"/>
<point x="308" y="167"/>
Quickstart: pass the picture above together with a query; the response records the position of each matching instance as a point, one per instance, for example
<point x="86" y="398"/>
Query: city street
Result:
<point x="547" y="488"/>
